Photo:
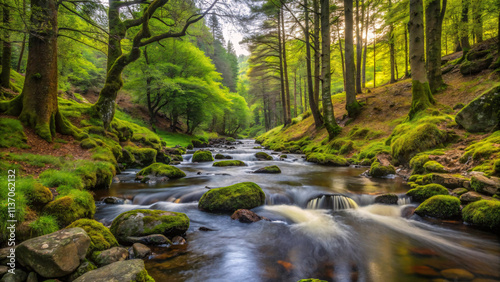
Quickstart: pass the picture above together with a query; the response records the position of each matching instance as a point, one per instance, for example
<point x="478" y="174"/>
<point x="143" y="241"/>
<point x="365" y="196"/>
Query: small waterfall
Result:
<point x="333" y="202"/>
<point x="404" y="200"/>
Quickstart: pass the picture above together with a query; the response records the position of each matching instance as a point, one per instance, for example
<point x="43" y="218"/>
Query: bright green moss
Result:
<point x="378" y="170"/>
<point x="422" y="193"/>
<point x="418" y="162"/>
<point x="143" y="276"/>
<point x="56" y="178"/>
<point x="101" y="237"/>
<point x="263" y="156"/>
<point x="230" y="163"/>
<point x="245" y="195"/>
<point x="145" y="156"/>
<point x="363" y="133"/>
<point x="373" y="149"/>
<point x="70" y="206"/>
<point x="45" y="224"/>
<point x="202" y="156"/>
<point x="12" y="134"/>
<point x="416" y="140"/>
<point x="95" y="175"/>
<point x="88" y="143"/>
<point x="269" y="169"/>
<point x="326" y="159"/>
<point x="219" y="157"/>
<point x="483" y="213"/>
<point x="440" y="206"/>
<point x="346" y="148"/>
<point x="159" y="169"/>
<point x="33" y="159"/>
<point x="433" y="166"/>
<point x="38" y="195"/>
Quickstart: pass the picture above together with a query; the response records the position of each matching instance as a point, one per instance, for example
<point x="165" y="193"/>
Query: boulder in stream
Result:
<point x="424" y="192"/>
<point x="128" y="270"/>
<point x="440" y="206"/>
<point x="161" y="170"/>
<point x="138" y="223"/>
<point x="141" y="250"/>
<point x="485" y="185"/>
<point x="387" y="199"/>
<point x="268" y="169"/>
<point x="56" y="254"/>
<point x="111" y="255"/>
<point x="202" y="156"/>
<point x="100" y="237"/>
<point x="229" y="163"/>
<point x="262" y="156"/>
<point x="483" y="213"/>
<point x="245" y="195"/>
<point x="246" y="216"/>
<point x="379" y="170"/>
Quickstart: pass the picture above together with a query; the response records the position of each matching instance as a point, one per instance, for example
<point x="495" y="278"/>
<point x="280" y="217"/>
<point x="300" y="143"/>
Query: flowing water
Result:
<point x="323" y="223"/>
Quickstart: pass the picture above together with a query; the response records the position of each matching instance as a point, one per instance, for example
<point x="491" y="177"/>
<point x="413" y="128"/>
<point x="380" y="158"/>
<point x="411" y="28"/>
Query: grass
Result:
<point x="45" y="224"/>
<point x="174" y="139"/>
<point x="12" y="134"/>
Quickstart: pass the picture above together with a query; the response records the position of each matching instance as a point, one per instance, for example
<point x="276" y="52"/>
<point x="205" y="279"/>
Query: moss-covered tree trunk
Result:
<point x="464" y="29"/>
<point x="352" y="105"/>
<point x="6" y="47"/>
<point x="318" y="122"/>
<point x="328" y="113"/>
<point x="37" y="105"/>
<point x="434" y="15"/>
<point x="421" y="92"/>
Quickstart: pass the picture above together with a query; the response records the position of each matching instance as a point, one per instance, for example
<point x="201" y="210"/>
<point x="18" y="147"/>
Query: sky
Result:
<point x="232" y="34"/>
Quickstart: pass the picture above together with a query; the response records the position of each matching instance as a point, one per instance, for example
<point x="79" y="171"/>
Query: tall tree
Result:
<point x="392" y="51"/>
<point x="118" y="60"/>
<point x="281" y="69"/>
<point x="352" y="105"/>
<point x="464" y="31"/>
<point x="37" y="105"/>
<point x="434" y="15"/>
<point x="318" y="120"/>
<point x="317" y="50"/>
<point x="328" y="114"/>
<point x="477" y="20"/>
<point x="359" y="45"/>
<point x="285" y="70"/>
<point x="420" y="90"/>
<point x="6" y="45"/>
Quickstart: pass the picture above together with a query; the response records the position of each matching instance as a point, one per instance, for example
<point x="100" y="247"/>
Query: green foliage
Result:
<point x="159" y="169"/>
<point x="45" y="224"/>
<point x="100" y="237"/>
<point x="440" y="206"/>
<point x="12" y="134"/>
<point x="22" y="185"/>
<point x="202" y="156"/>
<point x="483" y="213"/>
<point x="34" y="159"/>
<point x="326" y="159"/>
<point x="230" y="163"/>
<point x="422" y="193"/>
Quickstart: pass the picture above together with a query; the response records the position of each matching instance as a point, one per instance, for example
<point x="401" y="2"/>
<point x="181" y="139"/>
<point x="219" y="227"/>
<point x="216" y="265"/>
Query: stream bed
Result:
<point x="369" y="243"/>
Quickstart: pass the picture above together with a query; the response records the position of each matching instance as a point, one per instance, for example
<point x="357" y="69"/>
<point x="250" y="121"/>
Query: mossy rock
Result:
<point x="433" y="166"/>
<point x="269" y="169"/>
<point x="440" y="206"/>
<point x="245" y="195"/>
<point x="379" y="170"/>
<point x="476" y="66"/>
<point x="422" y="193"/>
<point x="38" y="195"/>
<point x="88" y="143"/>
<point x="143" y="156"/>
<point x="199" y="143"/>
<point x="142" y="222"/>
<point x="101" y="237"/>
<point x="483" y="213"/>
<point x="67" y="209"/>
<point x="159" y="169"/>
<point x="416" y="140"/>
<point x="96" y="175"/>
<point x="326" y="159"/>
<point x="459" y="191"/>
<point x="219" y="157"/>
<point x="262" y="156"/>
<point x="127" y="158"/>
<point x="202" y="156"/>
<point x="387" y="199"/>
<point x="230" y="163"/>
<point x="84" y="267"/>
<point x="481" y="114"/>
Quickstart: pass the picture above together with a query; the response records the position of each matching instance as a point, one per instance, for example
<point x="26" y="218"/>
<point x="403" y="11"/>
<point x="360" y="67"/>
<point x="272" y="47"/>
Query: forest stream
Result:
<point x="313" y="229"/>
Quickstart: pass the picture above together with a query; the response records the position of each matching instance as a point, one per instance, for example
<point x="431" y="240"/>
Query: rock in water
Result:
<point x="138" y="223"/>
<point x="246" y="216"/>
<point x="141" y="251"/>
<point x="268" y="169"/>
<point x="387" y="199"/>
<point x="482" y="114"/>
<point x="245" y="195"/>
<point x="110" y="256"/>
<point x="128" y="270"/>
<point x="56" y="254"/>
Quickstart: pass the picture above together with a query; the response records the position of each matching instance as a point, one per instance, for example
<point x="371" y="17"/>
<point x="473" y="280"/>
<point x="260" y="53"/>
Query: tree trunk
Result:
<point x="477" y="19"/>
<point x="282" y="79"/>
<point x="421" y="93"/>
<point x="407" y="73"/>
<point x="367" y="24"/>
<point x="434" y="16"/>
<point x="328" y="115"/>
<point x="374" y="62"/>
<point x="317" y="51"/>
<point x="318" y="122"/>
<point x="392" y="52"/>
<point x="285" y="70"/>
<point x="300" y="95"/>
<point x="464" y="31"/>
<point x="341" y="55"/>
<point x="352" y="105"/>
<point x="6" y="48"/>
<point x="358" y="48"/>
<point x="295" y="94"/>
<point x="152" y="113"/>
